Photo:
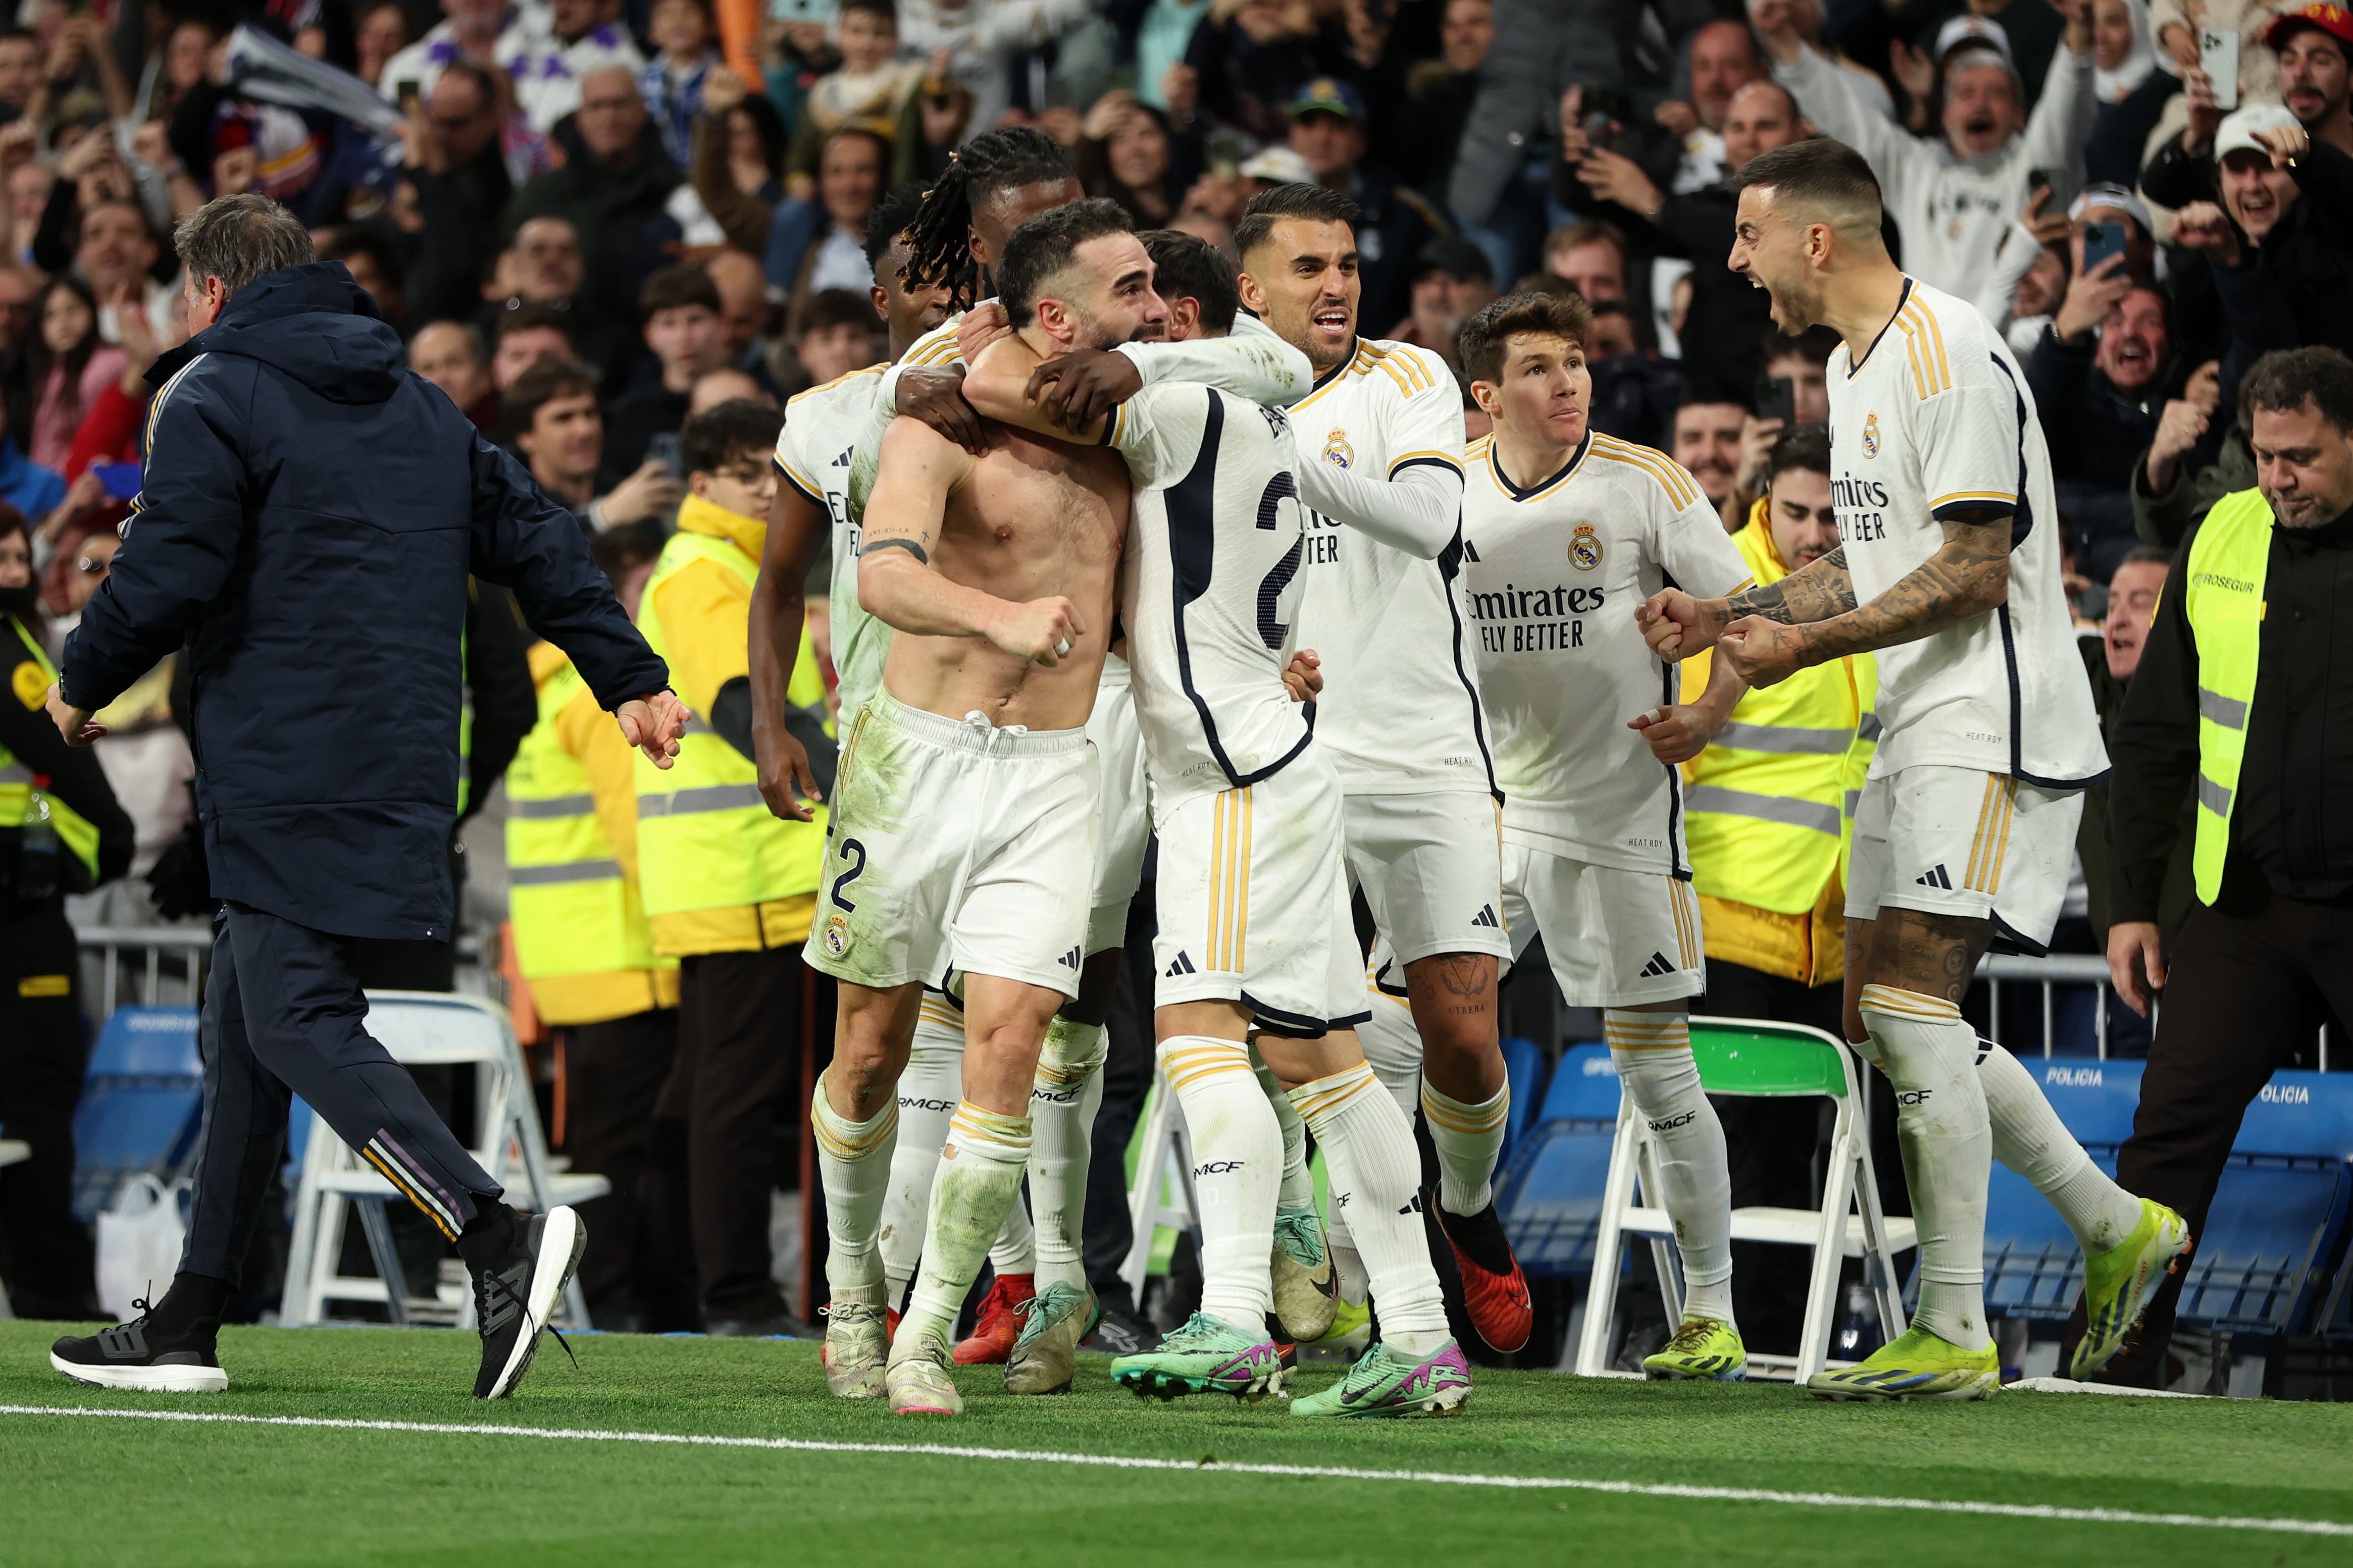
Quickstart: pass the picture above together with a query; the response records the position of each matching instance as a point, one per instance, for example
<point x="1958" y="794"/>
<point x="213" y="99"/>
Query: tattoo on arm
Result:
<point x="870" y="546"/>
<point x="1968" y="575"/>
<point x="1814" y="592"/>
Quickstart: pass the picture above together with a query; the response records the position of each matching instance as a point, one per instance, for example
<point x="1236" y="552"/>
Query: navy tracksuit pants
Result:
<point x="283" y="1015"/>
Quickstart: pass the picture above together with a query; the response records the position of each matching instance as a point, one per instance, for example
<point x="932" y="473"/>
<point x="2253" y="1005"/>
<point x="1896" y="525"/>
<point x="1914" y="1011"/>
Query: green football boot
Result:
<point x="1046" y="1357"/>
<point x="1920" y="1365"/>
<point x="1705" y="1350"/>
<point x="1206" y="1355"/>
<point x="1388" y="1383"/>
<point x="1306" y="1280"/>
<point x="2118" y="1283"/>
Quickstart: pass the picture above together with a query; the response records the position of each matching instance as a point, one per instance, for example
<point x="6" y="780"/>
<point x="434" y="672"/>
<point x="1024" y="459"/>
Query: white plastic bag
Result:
<point x="139" y="1241"/>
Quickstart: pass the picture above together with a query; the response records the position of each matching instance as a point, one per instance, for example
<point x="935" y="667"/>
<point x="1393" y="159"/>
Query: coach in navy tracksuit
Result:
<point x="311" y="514"/>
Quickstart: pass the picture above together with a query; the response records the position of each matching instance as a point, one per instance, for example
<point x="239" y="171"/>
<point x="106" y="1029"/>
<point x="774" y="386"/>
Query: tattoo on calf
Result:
<point x="870" y="546"/>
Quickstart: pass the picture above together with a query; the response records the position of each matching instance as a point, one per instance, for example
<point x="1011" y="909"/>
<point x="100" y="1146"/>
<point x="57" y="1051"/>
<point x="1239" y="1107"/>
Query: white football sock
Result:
<point x="1392" y="1048"/>
<point x="1652" y="1054"/>
<point x="1237" y="1173"/>
<point x="1468" y="1138"/>
<point x="1369" y="1154"/>
<point x="1015" y="1250"/>
<point x="1062" y="1105"/>
<point x="928" y="1092"/>
<point x="1298" y="1190"/>
<point x="979" y="1180"/>
<point x="1930" y="1057"/>
<point x="853" y="1161"/>
<point x="2029" y="1138"/>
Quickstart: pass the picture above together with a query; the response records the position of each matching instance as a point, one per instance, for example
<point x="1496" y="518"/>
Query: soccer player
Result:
<point x="965" y="823"/>
<point x="1254" y="933"/>
<point x="1379" y="467"/>
<point x="1564" y="531"/>
<point x="1948" y="566"/>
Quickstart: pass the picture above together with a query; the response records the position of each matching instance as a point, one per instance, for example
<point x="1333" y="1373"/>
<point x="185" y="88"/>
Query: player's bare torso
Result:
<point x="1031" y="520"/>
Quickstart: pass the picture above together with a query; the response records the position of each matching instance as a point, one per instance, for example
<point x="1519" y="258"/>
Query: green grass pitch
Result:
<point x="86" y="1491"/>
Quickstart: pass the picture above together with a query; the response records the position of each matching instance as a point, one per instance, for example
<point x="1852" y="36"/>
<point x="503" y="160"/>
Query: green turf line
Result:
<point x="1137" y="1462"/>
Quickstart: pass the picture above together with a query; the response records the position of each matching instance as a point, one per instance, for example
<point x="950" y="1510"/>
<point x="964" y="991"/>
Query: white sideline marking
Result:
<point x="1329" y="1472"/>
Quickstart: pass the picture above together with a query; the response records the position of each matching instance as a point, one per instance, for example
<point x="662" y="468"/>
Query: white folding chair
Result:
<point x="424" y="1028"/>
<point x="1750" y="1057"/>
<point x="1163" y="1162"/>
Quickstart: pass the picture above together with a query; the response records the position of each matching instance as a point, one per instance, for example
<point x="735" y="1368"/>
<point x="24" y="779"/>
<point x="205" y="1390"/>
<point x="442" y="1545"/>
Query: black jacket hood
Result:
<point x="313" y="323"/>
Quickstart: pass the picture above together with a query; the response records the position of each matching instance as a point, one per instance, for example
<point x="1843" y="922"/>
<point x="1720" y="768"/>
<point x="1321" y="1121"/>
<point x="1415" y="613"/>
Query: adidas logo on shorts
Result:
<point x="1936" y="877"/>
<point x="1486" y="917"/>
<point x="1072" y="959"/>
<point x="1657" y="966"/>
<point x="1183" y="965"/>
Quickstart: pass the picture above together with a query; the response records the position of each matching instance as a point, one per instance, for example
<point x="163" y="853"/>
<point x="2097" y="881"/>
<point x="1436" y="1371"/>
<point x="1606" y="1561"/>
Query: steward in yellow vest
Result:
<point x="42" y="1049"/>
<point x="2242" y="701"/>
<point x="729" y="889"/>
<point x="1769" y="802"/>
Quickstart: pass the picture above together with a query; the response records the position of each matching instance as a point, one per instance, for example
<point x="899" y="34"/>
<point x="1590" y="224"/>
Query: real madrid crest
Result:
<point x="1584" y="547"/>
<point x="837" y="935"/>
<point x="1338" y="452"/>
<point x="1871" y="434"/>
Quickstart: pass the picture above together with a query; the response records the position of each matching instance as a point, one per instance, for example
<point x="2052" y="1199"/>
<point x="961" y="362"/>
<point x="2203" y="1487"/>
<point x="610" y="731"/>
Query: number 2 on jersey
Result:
<point x="1278" y="595"/>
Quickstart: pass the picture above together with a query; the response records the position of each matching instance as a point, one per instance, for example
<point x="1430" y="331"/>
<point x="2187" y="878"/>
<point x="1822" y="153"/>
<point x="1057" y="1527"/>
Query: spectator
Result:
<point x="1722" y="59"/>
<point x="688" y="337"/>
<point x="1593" y="257"/>
<point x="817" y="245"/>
<point x="2293" y="199"/>
<point x="67" y="368"/>
<point x="673" y="84"/>
<point x="484" y="33"/>
<point x="1954" y="202"/>
<point x="1427" y="102"/>
<point x="1328" y="128"/>
<point x="551" y="416"/>
<point x="1726" y="315"/>
<point x="20" y="72"/>
<point x="1634" y="393"/>
<point x="1802" y="362"/>
<point x="43" y="1040"/>
<point x="77" y="572"/>
<point x="26" y="485"/>
<point x="976" y="49"/>
<point x="743" y="309"/>
<point x="727" y="384"/>
<point x="1709" y="422"/>
<point x="370" y="259"/>
<point x="2101" y="377"/>
<point x="2176" y="23"/>
<point x="739" y="160"/>
<point x="1451" y="280"/>
<point x="456" y="165"/>
<point x="379" y="32"/>
<point x="2240" y="703"/>
<point x="1124" y="154"/>
<point x="550" y="68"/>
<point x="117" y="252"/>
<point x="1250" y="62"/>
<point x="836" y="336"/>
<point x="450" y="354"/>
<point x="2133" y="90"/>
<point x="526" y="335"/>
<point x="619" y="181"/>
<point x="2305" y="51"/>
<point x="873" y="91"/>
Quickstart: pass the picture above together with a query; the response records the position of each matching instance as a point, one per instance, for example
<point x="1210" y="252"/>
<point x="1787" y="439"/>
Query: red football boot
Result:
<point x="1495" y="1291"/>
<point x="999" y="1325"/>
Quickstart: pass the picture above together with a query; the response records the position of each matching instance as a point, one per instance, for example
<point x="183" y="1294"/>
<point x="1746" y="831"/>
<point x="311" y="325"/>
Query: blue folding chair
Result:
<point x="1549" y="1195"/>
<point x="141" y="1102"/>
<point x="2033" y="1267"/>
<point x="2279" y="1212"/>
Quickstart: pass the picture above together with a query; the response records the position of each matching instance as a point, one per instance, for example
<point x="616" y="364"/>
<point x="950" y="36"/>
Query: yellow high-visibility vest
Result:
<point x="579" y="929"/>
<point x="1768" y="805"/>
<point x="30" y="677"/>
<point x="706" y="840"/>
<point x="2229" y="562"/>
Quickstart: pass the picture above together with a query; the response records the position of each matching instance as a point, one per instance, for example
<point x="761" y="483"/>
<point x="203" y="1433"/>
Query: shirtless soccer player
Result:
<point x="1380" y="454"/>
<point x="964" y="834"/>
<point x="1037" y="1309"/>
<point x="1566" y="532"/>
<point x="1948" y="565"/>
<point x="1254" y="934"/>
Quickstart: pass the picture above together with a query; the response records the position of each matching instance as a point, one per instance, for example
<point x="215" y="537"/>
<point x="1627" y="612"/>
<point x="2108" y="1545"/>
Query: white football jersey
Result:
<point x="1554" y="573"/>
<point x="813" y="453"/>
<point x="1937" y="420"/>
<point x="1399" y="710"/>
<point x="1210" y="587"/>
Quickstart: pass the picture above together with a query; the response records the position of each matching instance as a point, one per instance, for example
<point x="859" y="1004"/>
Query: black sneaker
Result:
<point x="515" y="1296"/>
<point x="1122" y="1333"/>
<point x="129" y="1356"/>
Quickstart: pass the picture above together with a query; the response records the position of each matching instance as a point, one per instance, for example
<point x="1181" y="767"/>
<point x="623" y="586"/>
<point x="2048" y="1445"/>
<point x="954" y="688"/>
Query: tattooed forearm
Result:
<point x="1814" y="592"/>
<point x="1969" y="575"/>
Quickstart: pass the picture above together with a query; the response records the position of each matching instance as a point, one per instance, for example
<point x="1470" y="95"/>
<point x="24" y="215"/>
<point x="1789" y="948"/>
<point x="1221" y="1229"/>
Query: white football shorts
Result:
<point x="1127" y="818"/>
<point x="1430" y="868"/>
<point x="1615" y="938"/>
<point x="1959" y="841"/>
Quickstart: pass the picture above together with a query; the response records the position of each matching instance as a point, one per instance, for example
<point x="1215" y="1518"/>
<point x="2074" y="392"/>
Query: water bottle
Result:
<point x="37" y="851"/>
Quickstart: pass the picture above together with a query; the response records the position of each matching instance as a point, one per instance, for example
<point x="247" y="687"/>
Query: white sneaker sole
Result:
<point x="147" y="1379"/>
<point x="562" y="1241"/>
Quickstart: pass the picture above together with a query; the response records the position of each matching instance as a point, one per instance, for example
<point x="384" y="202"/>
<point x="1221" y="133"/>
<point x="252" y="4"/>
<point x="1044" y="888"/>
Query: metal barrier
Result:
<point x="2070" y="969"/>
<point x="156" y="964"/>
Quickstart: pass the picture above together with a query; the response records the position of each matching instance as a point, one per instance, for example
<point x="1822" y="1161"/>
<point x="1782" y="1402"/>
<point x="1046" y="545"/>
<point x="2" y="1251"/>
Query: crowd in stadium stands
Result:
<point x="594" y="220"/>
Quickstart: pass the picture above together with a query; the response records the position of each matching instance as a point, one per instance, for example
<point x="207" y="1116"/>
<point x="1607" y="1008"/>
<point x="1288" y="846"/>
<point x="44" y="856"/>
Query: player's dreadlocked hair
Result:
<point x="938" y="251"/>
<point x="890" y="219"/>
